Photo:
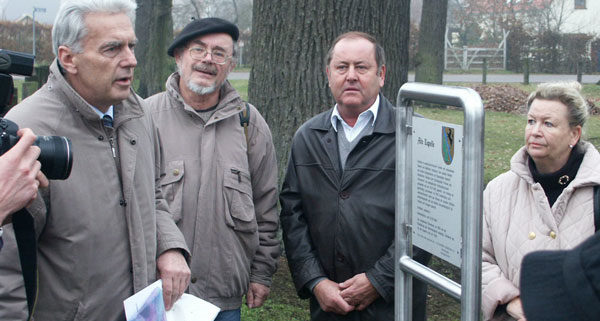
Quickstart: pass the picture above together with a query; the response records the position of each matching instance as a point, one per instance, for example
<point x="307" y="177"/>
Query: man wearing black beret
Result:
<point x="221" y="181"/>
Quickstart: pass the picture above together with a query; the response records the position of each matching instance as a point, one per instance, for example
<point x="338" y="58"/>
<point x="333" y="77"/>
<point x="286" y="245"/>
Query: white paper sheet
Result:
<point x="192" y="308"/>
<point x="148" y="305"/>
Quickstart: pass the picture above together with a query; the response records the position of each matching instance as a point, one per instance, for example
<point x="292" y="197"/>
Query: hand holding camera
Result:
<point x="27" y="162"/>
<point x="20" y="174"/>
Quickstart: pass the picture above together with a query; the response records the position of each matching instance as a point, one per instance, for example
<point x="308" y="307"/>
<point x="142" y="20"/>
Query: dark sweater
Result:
<point x="555" y="183"/>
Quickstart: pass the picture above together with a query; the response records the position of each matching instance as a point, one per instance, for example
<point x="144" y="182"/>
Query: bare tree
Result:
<point x="291" y="38"/>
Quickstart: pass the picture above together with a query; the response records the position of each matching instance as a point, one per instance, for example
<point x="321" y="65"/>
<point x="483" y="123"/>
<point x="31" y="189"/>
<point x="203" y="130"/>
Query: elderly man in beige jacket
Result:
<point x="221" y="181"/>
<point x="105" y="231"/>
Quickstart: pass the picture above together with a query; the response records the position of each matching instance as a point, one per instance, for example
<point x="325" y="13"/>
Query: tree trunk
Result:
<point x="290" y="41"/>
<point x="154" y="29"/>
<point x="429" y="61"/>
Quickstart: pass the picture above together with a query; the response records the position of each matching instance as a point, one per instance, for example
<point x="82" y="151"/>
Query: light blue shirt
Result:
<point x="363" y="120"/>
<point x="109" y="112"/>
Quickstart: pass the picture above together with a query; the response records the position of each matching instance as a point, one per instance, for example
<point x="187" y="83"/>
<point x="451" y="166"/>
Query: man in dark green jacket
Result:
<point x="338" y="195"/>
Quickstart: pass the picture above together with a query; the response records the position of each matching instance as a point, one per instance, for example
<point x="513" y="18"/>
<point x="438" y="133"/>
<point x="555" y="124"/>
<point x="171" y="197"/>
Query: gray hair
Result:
<point x="568" y="93"/>
<point x="69" y="25"/>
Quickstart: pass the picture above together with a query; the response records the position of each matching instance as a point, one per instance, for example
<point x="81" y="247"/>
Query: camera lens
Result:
<point x="56" y="156"/>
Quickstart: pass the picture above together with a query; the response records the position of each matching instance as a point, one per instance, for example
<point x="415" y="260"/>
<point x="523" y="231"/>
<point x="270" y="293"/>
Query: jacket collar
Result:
<point x="129" y="108"/>
<point x="384" y="124"/>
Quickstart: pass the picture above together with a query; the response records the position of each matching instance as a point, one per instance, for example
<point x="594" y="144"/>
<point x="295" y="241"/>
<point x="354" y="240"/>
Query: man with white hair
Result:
<point x="105" y="232"/>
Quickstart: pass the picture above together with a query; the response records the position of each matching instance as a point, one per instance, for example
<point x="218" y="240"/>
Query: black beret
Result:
<point x="203" y="27"/>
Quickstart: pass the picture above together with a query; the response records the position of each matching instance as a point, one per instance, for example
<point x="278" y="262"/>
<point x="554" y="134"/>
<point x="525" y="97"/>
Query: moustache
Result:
<point x="206" y="69"/>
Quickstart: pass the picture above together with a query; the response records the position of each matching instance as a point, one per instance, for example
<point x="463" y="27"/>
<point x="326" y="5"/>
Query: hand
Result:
<point x="358" y="291"/>
<point x="20" y="175"/>
<point x="257" y="294"/>
<point x="327" y="293"/>
<point x="175" y="275"/>
<point x="515" y="309"/>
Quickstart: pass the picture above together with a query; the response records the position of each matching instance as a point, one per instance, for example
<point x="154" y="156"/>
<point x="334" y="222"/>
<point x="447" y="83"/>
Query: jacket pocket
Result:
<point x="239" y="206"/>
<point x="172" y="188"/>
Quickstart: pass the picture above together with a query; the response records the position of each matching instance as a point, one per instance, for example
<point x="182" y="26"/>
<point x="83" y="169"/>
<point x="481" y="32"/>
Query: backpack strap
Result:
<point x="27" y="245"/>
<point x="597" y="207"/>
<point x="245" y="120"/>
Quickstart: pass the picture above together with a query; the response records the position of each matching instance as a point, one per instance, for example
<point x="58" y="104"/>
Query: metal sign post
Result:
<point x="469" y="291"/>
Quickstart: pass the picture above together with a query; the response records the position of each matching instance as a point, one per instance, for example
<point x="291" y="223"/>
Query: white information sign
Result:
<point x="437" y="188"/>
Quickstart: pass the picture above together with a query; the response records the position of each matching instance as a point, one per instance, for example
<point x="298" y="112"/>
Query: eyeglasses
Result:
<point x="217" y="56"/>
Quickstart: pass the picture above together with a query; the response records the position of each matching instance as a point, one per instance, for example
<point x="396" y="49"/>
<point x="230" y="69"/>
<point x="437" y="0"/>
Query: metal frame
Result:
<point x="469" y="291"/>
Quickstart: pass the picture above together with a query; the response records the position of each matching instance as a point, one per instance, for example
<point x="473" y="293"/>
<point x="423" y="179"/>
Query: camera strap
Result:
<point x="244" y="121"/>
<point x="27" y="244"/>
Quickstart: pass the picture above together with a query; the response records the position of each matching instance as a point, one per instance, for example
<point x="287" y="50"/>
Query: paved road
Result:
<point x="534" y="78"/>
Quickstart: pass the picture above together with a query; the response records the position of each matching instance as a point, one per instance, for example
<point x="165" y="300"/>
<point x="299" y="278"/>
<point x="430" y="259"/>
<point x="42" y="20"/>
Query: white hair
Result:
<point x="69" y="26"/>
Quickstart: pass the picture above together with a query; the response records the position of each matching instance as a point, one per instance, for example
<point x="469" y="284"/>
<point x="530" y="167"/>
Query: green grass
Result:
<point x="275" y="311"/>
<point x="241" y="86"/>
<point x="242" y="68"/>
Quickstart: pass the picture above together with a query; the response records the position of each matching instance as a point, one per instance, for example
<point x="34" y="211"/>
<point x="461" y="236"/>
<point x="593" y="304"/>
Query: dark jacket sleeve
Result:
<point x="301" y="254"/>
<point x="381" y="274"/>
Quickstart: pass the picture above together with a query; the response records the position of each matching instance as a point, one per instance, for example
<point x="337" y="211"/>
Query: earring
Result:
<point x="570" y="146"/>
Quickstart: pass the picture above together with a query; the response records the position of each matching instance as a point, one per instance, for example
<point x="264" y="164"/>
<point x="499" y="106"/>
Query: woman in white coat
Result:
<point x="544" y="202"/>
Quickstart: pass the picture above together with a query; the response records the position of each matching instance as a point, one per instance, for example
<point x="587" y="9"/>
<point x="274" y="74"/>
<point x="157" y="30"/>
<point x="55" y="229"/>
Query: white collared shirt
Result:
<point x="363" y="120"/>
<point x="109" y="112"/>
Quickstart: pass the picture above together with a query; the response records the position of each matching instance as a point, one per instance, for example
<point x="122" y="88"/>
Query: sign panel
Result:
<point x="437" y="188"/>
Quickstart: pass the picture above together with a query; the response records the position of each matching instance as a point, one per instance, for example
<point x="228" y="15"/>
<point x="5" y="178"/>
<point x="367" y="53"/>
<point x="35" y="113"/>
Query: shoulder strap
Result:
<point x="27" y="245"/>
<point x="245" y="120"/>
<point x="597" y="207"/>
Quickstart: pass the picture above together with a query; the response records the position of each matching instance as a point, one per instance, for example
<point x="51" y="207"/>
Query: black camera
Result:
<point x="12" y="62"/>
<point x="56" y="155"/>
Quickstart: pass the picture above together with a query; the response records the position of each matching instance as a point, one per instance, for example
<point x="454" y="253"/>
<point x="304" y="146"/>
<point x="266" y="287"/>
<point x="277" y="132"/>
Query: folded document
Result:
<point x="148" y="305"/>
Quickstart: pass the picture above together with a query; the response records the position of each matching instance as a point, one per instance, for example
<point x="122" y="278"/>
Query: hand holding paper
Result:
<point x="148" y="305"/>
<point x="175" y="274"/>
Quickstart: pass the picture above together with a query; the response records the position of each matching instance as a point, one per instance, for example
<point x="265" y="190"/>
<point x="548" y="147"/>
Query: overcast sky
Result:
<point x="14" y="9"/>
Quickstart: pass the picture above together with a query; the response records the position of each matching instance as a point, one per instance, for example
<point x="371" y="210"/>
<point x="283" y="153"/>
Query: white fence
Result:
<point x="466" y="58"/>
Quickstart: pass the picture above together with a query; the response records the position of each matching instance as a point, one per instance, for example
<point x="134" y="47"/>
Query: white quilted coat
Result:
<point x="518" y="220"/>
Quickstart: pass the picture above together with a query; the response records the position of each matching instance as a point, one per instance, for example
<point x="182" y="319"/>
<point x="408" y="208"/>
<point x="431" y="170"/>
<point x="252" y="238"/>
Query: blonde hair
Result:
<point x="568" y="93"/>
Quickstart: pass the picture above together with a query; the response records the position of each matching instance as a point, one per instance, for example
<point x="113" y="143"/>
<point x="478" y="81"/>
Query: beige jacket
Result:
<point x="101" y="230"/>
<point x="518" y="220"/>
<point x="223" y="196"/>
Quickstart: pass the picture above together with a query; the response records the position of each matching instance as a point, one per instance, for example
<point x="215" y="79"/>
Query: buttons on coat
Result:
<point x="100" y="138"/>
<point x="123" y="202"/>
<point x="344" y="195"/>
<point x="132" y="142"/>
<point x="531" y="235"/>
<point x="175" y="172"/>
<point x="552" y="234"/>
<point x="194" y="279"/>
